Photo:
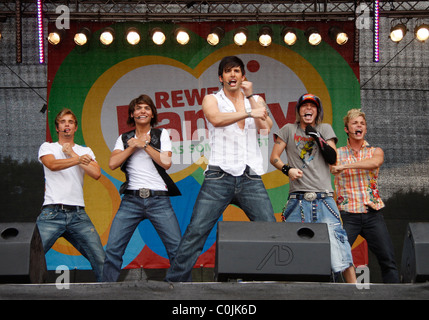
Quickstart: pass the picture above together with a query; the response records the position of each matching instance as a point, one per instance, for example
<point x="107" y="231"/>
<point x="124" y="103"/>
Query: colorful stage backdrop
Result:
<point x="98" y="83"/>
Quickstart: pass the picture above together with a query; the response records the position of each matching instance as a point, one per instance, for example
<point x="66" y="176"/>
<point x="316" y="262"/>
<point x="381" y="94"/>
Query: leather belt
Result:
<point x="310" y="196"/>
<point x="146" y="193"/>
<point x="64" y="207"/>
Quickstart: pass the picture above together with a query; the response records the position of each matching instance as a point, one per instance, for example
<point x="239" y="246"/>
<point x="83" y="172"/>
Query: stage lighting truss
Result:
<point x="397" y="33"/>
<point x="338" y="35"/>
<point x="56" y="36"/>
<point x="289" y="36"/>
<point x="214" y="37"/>
<point x="313" y="36"/>
<point x="265" y="36"/>
<point x="182" y="36"/>
<point x="240" y="36"/>
<point x="421" y="32"/>
<point x="157" y="36"/>
<point x="133" y="36"/>
<point x="82" y="37"/>
<point x="107" y="36"/>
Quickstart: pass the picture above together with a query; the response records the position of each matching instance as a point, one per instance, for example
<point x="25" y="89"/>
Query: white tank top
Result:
<point x="232" y="148"/>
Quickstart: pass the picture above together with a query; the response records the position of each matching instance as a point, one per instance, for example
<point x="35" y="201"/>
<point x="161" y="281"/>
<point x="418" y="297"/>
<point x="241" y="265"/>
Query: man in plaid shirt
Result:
<point x="358" y="199"/>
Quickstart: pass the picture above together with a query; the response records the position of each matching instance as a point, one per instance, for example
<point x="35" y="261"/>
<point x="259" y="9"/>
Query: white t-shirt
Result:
<point x="64" y="186"/>
<point x="232" y="148"/>
<point x="141" y="170"/>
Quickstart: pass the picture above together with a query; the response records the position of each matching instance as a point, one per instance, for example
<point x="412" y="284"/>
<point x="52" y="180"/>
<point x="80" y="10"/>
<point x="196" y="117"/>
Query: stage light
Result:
<point x="338" y="35"/>
<point x="265" y="36"/>
<point x="107" y="36"/>
<point x="81" y="38"/>
<point x="181" y="36"/>
<point x="132" y="36"/>
<point x="289" y="36"/>
<point x="240" y="36"/>
<point x="56" y="36"/>
<point x="215" y="36"/>
<point x="398" y="32"/>
<point x="157" y="36"/>
<point x="422" y="32"/>
<point x="313" y="36"/>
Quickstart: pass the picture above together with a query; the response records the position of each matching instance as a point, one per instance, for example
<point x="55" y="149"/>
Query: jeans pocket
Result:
<point x="47" y="214"/>
<point x="340" y="234"/>
<point x="289" y="208"/>
<point x="214" y="175"/>
<point x="253" y="176"/>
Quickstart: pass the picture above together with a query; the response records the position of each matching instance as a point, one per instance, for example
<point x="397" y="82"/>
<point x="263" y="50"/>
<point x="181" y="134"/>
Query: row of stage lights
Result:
<point x="397" y="32"/>
<point x="182" y="37"/>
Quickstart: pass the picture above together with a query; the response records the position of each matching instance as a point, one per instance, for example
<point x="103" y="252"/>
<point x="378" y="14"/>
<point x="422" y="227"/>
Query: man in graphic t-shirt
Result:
<point x="310" y="149"/>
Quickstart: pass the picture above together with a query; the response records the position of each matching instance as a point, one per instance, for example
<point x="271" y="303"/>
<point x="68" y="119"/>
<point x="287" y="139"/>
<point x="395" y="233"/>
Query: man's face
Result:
<point x="232" y="78"/>
<point x="308" y="113"/>
<point x="356" y="128"/>
<point x="66" y="125"/>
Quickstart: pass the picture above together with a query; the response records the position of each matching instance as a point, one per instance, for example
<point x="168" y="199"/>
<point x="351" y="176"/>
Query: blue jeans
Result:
<point x="323" y="210"/>
<point x="219" y="189"/>
<point x="372" y="227"/>
<point x="76" y="227"/>
<point x="132" y="211"/>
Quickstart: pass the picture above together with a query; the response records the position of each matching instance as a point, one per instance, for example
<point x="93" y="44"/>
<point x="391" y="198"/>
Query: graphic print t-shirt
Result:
<point x="304" y="153"/>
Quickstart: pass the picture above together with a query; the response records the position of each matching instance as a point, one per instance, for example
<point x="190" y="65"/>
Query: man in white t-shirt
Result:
<point x="63" y="213"/>
<point x="144" y="154"/>
<point x="234" y="118"/>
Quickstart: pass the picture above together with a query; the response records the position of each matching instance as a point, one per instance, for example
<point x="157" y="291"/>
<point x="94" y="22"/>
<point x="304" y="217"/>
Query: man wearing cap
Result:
<point x="310" y="149"/>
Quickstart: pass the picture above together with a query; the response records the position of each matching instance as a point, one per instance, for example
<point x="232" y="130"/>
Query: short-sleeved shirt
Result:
<point x="357" y="189"/>
<point x="304" y="153"/>
<point x="64" y="186"/>
<point x="140" y="168"/>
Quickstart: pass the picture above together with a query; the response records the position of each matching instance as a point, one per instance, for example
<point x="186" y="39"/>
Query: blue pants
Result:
<point x="132" y="211"/>
<point x="76" y="227"/>
<point x="323" y="210"/>
<point x="219" y="189"/>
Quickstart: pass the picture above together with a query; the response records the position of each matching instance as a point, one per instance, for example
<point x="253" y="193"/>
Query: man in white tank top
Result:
<point x="235" y="117"/>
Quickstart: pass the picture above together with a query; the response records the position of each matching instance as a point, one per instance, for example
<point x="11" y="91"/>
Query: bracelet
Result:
<point x="285" y="169"/>
<point x="249" y="96"/>
<point x="146" y="144"/>
<point x="249" y="114"/>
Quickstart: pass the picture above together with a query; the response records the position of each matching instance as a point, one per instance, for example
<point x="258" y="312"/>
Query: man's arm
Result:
<point x="223" y="119"/>
<point x="279" y="147"/>
<point x="85" y="162"/>
<point x="263" y="125"/>
<point x="367" y="164"/>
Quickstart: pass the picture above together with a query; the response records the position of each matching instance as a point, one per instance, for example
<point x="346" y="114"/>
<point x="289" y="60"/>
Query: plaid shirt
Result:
<point x="357" y="188"/>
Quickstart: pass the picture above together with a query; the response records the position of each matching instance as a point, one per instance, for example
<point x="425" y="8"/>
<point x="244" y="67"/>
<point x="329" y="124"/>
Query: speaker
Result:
<point x="22" y="254"/>
<point x="415" y="253"/>
<point x="272" y="251"/>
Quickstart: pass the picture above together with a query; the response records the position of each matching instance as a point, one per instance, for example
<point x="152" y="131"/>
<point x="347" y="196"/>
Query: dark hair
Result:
<point x="230" y="62"/>
<point x="139" y="100"/>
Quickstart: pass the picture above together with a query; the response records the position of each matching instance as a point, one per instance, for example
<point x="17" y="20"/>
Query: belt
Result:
<point x="146" y="193"/>
<point x="310" y="196"/>
<point x="64" y="207"/>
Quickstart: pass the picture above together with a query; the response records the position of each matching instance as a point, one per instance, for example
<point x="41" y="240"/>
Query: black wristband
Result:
<point x="248" y="97"/>
<point x="285" y="169"/>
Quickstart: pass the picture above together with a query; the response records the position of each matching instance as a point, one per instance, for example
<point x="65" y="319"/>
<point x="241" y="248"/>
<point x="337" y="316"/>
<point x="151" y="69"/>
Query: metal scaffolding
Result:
<point x="209" y="10"/>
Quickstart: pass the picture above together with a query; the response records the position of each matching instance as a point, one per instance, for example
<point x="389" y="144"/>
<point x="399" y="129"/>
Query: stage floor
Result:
<point x="227" y="291"/>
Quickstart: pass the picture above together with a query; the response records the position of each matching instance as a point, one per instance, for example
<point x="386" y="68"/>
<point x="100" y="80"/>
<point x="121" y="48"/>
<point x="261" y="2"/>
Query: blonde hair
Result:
<point x="353" y="113"/>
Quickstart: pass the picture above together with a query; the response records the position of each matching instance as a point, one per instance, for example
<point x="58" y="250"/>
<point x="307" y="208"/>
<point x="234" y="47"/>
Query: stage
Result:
<point x="210" y="291"/>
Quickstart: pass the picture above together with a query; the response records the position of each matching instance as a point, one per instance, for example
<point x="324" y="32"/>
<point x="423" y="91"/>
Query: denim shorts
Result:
<point x="323" y="211"/>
